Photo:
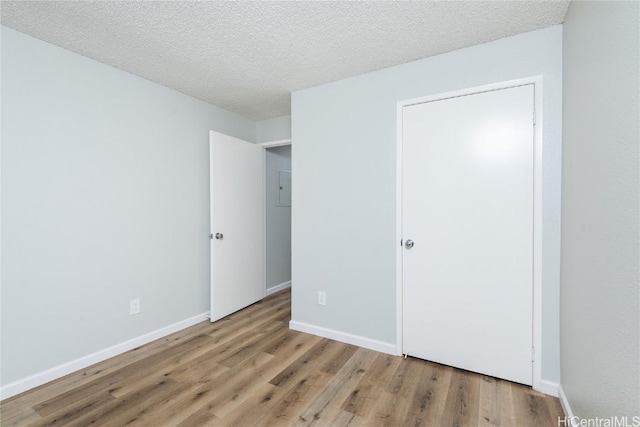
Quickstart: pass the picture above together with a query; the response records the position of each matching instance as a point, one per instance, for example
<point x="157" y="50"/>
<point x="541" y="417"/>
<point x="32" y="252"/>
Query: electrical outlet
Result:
<point x="322" y="298"/>
<point x="134" y="306"/>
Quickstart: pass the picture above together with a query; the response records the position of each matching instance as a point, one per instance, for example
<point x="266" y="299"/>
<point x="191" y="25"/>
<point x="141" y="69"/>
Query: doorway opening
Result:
<point x="277" y="199"/>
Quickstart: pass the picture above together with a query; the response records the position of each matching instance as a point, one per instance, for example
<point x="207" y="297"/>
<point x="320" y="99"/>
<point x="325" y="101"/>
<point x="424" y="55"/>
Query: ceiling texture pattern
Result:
<point x="249" y="56"/>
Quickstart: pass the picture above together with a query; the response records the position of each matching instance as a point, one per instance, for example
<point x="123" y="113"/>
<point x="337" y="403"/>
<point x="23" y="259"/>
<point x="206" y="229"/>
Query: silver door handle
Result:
<point x="408" y="244"/>
<point x="219" y="236"/>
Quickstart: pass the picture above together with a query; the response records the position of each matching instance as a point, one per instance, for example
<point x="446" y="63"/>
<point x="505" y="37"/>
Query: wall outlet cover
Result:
<point x="322" y="298"/>
<point x="134" y="306"/>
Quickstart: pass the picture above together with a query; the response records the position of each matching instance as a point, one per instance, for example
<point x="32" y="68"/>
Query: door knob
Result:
<point x="219" y="236"/>
<point x="408" y="244"/>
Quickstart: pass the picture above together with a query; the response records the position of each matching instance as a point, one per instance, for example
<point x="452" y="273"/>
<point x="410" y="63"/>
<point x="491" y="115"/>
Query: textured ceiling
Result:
<point x="248" y="56"/>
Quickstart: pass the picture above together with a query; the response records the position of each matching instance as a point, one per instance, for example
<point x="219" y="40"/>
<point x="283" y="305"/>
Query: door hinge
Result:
<point x="533" y="354"/>
<point x="534" y="117"/>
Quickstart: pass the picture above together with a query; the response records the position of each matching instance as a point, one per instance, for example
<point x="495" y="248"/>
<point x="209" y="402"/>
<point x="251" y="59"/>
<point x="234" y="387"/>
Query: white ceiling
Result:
<point x="248" y="57"/>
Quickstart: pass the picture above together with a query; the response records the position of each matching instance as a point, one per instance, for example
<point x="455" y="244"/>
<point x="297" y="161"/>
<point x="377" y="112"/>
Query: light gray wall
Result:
<point x="600" y="216"/>
<point x="278" y="219"/>
<point x="344" y="136"/>
<point x="273" y="129"/>
<point x="105" y="195"/>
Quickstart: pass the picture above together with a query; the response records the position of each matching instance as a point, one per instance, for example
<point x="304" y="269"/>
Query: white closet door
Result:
<point x="468" y="208"/>
<point x="237" y="244"/>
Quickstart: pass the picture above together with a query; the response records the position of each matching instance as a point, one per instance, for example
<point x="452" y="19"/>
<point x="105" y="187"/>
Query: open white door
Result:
<point x="237" y="237"/>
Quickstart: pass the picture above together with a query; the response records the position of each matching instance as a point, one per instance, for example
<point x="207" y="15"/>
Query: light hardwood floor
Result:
<point x="249" y="369"/>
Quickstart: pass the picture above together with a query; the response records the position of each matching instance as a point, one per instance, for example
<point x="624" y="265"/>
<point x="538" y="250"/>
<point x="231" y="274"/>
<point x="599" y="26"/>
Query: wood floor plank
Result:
<point x="147" y="405"/>
<point x="266" y="398"/>
<point x="202" y="417"/>
<point x="321" y="353"/>
<point x="211" y="394"/>
<point x="170" y="403"/>
<point x="287" y="408"/>
<point x="169" y="411"/>
<point x="93" y="372"/>
<point x="115" y="409"/>
<point x="242" y="391"/>
<point x="238" y="344"/>
<point x="363" y="397"/>
<point x="496" y="404"/>
<point x="531" y="408"/>
<point x="402" y="377"/>
<point x="406" y="378"/>
<point x="253" y="345"/>
<point x="555" y="410"/>
<point x="327" y="404"/>
<point x="202" y="371"/>
<point x="241" y="322"/>
<point x="132" y="372"/>
<point x="20" y="417"/>
<point x="76" y="410"/>
<point x="346" y="418"/>
<point x="463" y="399"/>
<point x="391" y="410"/>
<point x="249" y="369"/>
<point x="171" y="364"/>
<point x="429" y="400"/>
<point x="261" y="402"/>
<point x="233" y="393"/>
<point x="337" y="362"/>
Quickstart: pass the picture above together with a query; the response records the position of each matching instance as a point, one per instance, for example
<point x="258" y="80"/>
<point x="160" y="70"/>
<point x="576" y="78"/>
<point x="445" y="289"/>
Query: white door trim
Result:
<point x="537" y="209"/>
<point x="265" y="145"/>
<point x="278" y="143"/>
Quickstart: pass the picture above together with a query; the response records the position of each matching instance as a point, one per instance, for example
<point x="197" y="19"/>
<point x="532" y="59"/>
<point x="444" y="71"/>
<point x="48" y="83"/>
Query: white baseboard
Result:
<point x="566" y="407"/>
<point x="278" y="288"/>
<point x="59" y="371"/>
<point x="369" y="343"/>
<point x="549" y="388"/>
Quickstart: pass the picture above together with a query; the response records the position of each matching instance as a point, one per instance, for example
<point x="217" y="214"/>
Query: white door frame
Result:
<point x="271" y="144"/>
<point x="265" y="145"/>
<point x="537" y="209"/>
